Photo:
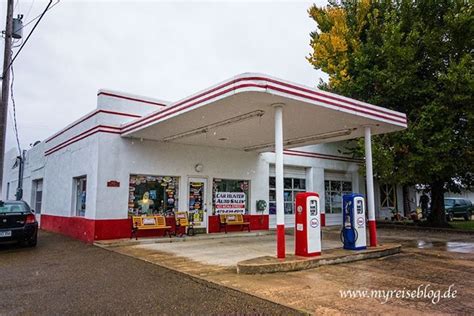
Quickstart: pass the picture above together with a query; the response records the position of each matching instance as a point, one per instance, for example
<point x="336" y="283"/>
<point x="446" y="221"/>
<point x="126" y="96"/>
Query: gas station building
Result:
<point x="246" y="145"/>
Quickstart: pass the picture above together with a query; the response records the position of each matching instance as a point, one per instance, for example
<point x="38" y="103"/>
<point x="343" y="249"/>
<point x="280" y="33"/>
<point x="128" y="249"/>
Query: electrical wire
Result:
<point x="38" y="16"/>
<point x="14" y="43"/>
<point x="29" y="10"/>
<point x="28" y="37"/>
<point x="15" y="126"/>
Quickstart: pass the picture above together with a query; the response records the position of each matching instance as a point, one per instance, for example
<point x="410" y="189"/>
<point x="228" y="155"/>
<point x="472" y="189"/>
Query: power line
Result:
<point x="39" y="15"/>
<point x="15" y="126"/>
<point x="28" y="37"/>
<point x="29" y="10"/>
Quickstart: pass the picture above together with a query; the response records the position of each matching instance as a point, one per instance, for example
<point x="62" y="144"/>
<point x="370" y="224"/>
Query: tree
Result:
<point x="414" y="57"/>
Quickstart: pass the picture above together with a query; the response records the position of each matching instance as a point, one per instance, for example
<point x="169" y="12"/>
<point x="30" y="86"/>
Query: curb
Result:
<point x="167" y="240"/>
<point x="269" y="264"/>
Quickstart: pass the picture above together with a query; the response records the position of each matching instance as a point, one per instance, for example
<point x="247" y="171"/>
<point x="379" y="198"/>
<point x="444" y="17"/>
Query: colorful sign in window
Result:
<point x="197" y="202"/>
<point x="149" y="195"/>
<point x="230" y="196"/>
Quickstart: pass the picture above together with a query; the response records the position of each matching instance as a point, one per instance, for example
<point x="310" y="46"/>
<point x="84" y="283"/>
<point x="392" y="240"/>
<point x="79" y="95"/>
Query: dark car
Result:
<point x="18" y="223"/>
<point x="458" y="207"/>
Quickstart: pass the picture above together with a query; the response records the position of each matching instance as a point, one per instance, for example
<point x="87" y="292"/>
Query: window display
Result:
<point x="230" y="196"/>
<point x="149" y="195"/>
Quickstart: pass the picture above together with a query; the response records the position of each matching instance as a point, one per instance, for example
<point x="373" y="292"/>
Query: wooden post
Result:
<point x="7" y="56"/>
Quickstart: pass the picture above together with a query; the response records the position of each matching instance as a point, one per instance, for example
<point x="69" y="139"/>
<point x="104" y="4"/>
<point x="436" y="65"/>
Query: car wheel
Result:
<point x="467" y="216"/>
<point x="449" y="217"/>
<point x="32" y="242"/>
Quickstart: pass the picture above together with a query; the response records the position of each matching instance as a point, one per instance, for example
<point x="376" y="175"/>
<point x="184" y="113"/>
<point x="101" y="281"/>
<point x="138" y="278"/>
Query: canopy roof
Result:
<point x="238" y="113"/>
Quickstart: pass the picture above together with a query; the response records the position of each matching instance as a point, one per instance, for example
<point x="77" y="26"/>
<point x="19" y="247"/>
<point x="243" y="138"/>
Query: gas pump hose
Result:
<point x="356" y="234"/>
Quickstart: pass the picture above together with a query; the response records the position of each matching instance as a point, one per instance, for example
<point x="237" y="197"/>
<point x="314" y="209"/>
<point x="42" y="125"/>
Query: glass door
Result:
<point x="197" y="190"/>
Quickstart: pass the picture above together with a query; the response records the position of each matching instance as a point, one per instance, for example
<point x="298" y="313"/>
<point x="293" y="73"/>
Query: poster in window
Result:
<point x="196" y="198"/>
<point x="230" y="202"/>
<point x="152" y="195"/>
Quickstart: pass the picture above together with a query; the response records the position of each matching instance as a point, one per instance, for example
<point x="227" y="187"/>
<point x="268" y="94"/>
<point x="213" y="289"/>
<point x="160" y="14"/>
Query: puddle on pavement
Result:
<point x="450" y="246"/>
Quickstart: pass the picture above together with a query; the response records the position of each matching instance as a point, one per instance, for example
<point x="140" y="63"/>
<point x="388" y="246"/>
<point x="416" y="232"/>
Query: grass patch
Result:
<point x="462" y="224"/>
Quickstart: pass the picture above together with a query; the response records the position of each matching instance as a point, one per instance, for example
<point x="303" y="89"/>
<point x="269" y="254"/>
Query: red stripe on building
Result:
<point x="172" y="109"/>
<point x="130" y="98"/>
<point x="357" y="105"/>
<point x="330" y="96"/>
<point x="88" y="117"/>
<point x="85" y="134"/>
<point x="321" y="156"/>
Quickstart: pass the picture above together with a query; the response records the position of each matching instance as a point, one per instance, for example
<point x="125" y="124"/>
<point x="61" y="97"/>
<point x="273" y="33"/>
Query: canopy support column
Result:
<point x="280" y="213"/>
<point x="370" y="187"/>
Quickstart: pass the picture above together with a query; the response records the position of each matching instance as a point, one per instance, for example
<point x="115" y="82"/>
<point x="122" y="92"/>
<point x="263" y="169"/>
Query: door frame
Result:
<point x="205" y="203"/>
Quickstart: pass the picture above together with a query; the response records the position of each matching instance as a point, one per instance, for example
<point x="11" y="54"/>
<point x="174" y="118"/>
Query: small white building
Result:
<point x="137" y="155"/>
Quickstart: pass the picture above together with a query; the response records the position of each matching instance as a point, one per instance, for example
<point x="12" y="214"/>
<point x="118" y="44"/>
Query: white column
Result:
<point x="280" y="214"/>
<point x="318" y="187"/>
<point x="370" y="186"/>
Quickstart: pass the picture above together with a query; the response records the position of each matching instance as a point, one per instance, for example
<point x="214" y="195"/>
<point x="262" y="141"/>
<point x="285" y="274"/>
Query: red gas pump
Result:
<point x="307" y="225"/>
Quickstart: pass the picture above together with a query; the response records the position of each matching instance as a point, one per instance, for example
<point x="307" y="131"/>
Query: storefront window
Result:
<point x="291" y="187"/>
<point x="37" y="195"/>
<point x="150" y="195"/>
<point x="334" y="190"/>
<point x="230" y="196"/>
<point x="80" y="195"/>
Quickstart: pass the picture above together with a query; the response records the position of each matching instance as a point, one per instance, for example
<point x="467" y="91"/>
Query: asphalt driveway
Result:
<point x="64" y="276"/>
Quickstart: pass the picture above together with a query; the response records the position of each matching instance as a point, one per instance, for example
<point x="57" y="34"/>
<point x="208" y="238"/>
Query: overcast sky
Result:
<point x="165" y="50"/>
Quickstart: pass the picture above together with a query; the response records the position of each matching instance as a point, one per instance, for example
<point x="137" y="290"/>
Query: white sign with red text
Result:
<point x="229" y="202"/>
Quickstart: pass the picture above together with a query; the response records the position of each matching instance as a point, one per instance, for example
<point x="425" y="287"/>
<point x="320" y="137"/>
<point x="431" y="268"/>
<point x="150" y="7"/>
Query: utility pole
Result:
<point x="5" y="85"/>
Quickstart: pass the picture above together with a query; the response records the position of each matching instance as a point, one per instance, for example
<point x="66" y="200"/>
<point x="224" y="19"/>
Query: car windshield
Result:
<point x="13" y="207"/>
<point x="449" y="202"/>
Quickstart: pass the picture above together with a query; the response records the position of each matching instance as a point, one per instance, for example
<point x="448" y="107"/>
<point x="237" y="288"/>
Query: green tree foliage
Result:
<point x="410" y="56"/>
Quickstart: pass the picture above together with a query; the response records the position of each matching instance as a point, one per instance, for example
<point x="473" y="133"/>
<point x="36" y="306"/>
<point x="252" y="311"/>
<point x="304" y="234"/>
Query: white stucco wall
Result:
<point x="78" y="159"/>
<point x="120" y="157"/>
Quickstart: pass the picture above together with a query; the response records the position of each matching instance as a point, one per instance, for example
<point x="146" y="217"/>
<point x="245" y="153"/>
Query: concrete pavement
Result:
<point x="438" y="261"/>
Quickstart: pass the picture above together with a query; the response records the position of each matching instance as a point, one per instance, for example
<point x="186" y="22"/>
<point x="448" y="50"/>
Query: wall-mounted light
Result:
<point x="206" y="128"/>
<point x="198" y="167"/>
<point x="302" y="140"/>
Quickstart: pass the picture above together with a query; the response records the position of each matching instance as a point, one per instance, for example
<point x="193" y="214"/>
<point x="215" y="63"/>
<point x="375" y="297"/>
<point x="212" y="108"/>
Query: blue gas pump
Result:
<point x="353" y="233"/>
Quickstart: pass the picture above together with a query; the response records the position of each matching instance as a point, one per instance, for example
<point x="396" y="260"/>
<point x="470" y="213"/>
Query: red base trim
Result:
<point x="257" y="222"/>
<point x="323" y="219"/>
<point x="373" y="234"/>
<point x="90" y="230"/>
<point x="281" y="241"/>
